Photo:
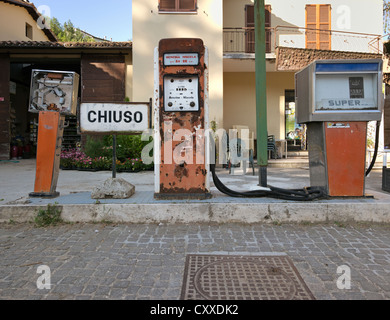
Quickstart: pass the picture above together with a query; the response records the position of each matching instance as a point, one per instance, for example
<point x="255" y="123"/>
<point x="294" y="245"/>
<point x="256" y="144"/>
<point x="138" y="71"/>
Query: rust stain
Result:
<point x="194" y="119"/>
<point x="181" y="171"/>
<point x="179" y="122"/>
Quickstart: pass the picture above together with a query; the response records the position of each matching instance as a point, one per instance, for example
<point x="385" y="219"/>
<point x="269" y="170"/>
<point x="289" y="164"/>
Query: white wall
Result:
<point x="13" y="24"/>
<point x="363" y="16"/>
<point x="358" y="16"/>
<point x="149" y="26"/>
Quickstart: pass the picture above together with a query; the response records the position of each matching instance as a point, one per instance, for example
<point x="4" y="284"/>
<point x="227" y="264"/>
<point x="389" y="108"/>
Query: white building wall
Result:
<point x="13" y="21"/>
<point x="358" y="16"/>
<point x="149" y="26"/>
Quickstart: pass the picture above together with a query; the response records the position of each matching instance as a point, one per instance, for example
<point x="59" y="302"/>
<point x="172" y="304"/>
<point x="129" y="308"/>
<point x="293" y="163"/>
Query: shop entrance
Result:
<point x="293" y="131"/>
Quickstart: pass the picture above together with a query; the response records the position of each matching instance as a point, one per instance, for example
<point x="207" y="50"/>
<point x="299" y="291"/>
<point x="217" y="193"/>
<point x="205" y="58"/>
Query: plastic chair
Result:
<point x="271" y="146"/>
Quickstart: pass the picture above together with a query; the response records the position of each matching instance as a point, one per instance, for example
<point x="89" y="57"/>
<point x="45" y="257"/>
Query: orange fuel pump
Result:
<point x="53" y="95"/>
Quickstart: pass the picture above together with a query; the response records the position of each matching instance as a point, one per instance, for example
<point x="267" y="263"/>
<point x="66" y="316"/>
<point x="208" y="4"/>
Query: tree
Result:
<point x="386" y="16"/>
<point x="67" y="32"/>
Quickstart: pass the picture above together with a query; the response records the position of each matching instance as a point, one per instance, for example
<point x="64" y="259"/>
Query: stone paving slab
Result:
<point x="146" y="261"/>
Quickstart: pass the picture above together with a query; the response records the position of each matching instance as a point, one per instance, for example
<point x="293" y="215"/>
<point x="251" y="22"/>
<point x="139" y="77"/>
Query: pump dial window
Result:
<point x="181" y="93"/>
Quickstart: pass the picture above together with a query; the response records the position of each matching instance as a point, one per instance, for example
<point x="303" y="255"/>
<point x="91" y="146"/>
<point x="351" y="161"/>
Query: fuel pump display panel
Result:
<point x="181" y="93"/>
<point x="340" y="90"/>
<point x="346" y="92"/>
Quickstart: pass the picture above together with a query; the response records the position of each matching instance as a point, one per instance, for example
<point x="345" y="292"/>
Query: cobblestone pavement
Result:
<point x="106" y="261"/>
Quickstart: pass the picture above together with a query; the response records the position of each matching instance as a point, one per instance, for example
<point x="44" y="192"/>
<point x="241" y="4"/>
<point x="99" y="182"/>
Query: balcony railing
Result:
<point x="242" y="40"/>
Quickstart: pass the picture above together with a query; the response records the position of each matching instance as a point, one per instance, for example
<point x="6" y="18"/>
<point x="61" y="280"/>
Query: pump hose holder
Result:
<point x="378" y="124"/>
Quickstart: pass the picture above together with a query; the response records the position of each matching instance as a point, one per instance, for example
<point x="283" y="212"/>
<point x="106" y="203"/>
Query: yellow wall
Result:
<point x="240" y="100"/>
<point x="149" y="26"/>
<point x="234" y="13"/>
<point x="13" y="24"/>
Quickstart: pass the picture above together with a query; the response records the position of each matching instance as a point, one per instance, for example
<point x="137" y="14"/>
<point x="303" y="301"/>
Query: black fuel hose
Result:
<point x="378" y="124"/>
<point x="305" y="194"/>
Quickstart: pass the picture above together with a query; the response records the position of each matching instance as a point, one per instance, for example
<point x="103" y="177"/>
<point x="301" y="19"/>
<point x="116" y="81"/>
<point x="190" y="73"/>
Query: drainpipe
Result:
<point x="261" y="92"/>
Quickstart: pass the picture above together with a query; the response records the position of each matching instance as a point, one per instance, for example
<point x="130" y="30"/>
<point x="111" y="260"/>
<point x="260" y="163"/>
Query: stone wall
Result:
<point x="294" y="59"/>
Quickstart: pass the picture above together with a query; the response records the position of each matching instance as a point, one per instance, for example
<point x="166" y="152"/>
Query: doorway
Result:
<point x="294" y="132"/>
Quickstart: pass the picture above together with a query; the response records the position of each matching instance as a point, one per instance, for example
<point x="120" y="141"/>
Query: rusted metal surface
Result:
<point x="187" y="177"/>
<point x="50" y="133"/>
<point x="221" y="277"/>
<point x="346" y="158"/>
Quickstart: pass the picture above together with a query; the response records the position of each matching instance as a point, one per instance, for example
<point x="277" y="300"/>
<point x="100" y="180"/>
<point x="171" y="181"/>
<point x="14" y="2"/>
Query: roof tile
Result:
<point x="49" y="44"/>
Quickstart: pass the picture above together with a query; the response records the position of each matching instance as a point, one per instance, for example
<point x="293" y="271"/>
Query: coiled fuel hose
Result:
<point x="305" y="194"/>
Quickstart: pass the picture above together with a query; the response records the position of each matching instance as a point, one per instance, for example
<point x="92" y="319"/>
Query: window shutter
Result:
<point x="177" y="5"/>
<point x="267" y="28"/>
<point x="311" y="23"/>
<point x="167" y="5"/>
<point x="318" y="17"/>
<point x="324" y="24"/>
<point x="250" y="28"/>
<point x="187" y="5"/>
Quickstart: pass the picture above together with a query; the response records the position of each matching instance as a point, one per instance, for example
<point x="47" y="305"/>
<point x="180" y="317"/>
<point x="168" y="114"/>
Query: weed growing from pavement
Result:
<point x="340" y="224"/>
<point x="51" y="216"/>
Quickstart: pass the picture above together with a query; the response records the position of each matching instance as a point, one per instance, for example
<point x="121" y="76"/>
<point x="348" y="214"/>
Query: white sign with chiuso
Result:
<point x="114" y="117"/>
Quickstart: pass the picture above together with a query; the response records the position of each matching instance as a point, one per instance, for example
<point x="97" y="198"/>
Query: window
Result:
<point x="250" y="28"/>
<point x="318" y="23"/>
<point x="29" y="31"/>
<point x="177" y="5"/>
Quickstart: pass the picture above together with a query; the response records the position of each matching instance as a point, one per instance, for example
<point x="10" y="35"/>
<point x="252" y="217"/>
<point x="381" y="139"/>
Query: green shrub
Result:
<point x="96" y="147"/>
<point x="127" y="146"/>
<point x="50" y="216"/>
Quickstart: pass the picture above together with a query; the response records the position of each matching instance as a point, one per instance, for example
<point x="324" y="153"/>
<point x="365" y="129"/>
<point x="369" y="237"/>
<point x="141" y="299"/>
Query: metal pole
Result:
<point x="114" y="156"/>
<point x="261" y="92"/>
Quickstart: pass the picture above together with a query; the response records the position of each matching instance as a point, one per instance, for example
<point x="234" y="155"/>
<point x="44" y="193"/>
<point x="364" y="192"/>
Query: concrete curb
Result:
<point x="246" y="213"/>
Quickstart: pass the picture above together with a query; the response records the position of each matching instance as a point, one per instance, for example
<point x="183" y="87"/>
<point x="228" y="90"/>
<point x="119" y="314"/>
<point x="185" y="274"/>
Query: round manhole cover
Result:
<point x="243" y="279"/>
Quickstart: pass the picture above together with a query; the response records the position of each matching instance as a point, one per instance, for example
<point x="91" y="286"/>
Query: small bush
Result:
<point x="127" y="146"/>
<point x="50" y="216"/>
<point x="95" y="147"/>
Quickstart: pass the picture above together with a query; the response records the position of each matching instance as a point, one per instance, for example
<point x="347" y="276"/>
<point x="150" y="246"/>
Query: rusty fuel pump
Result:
<point x="53" y="95"/>
<point x="183" y="148"/>
<point x="181" y="119"/>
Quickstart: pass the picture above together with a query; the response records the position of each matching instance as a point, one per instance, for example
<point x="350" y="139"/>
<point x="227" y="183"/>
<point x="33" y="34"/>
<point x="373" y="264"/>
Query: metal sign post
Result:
<point x="114" y="156"/>
<point x="261" y="92"/>
<point x="115" y="118"/>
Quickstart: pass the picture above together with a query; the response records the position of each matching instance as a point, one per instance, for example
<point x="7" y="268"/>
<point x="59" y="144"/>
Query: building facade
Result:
<point x="19" y="22"/>
<point x="297" y="33"/>
<point x="105" y="70"/>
